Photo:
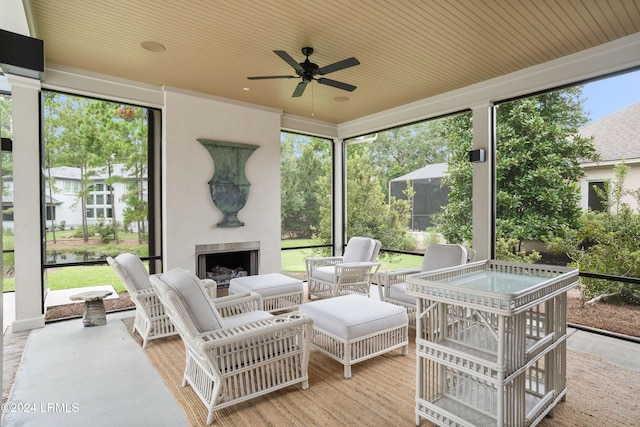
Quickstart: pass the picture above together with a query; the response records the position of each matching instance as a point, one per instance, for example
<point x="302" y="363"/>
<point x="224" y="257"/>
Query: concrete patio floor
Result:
<point x="75" y="376"/>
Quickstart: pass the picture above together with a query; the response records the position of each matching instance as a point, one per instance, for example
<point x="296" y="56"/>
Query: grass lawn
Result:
<point x="69" y="234"/>
<point x="86" y="276"/>
<point x="294" y="260"/>
<point x="75" y="277"/>
<point x="83" y="277"/>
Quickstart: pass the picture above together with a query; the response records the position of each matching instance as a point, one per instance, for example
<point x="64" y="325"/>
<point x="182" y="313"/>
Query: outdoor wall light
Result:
<point x="477" y="155"/>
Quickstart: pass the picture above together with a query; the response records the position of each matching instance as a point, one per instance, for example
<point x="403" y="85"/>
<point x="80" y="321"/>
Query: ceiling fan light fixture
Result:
<point x="307" y="71"/>
<point x="153" y="46"/>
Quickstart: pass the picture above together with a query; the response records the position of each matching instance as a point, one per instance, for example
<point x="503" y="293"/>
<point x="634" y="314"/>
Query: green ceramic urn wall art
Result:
<point x="229" y="186"/>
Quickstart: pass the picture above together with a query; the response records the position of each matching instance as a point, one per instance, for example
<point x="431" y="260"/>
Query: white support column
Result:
<point x="483" y="182"/>
<point x="25" y="94"/>
<point x="339" y="196"/>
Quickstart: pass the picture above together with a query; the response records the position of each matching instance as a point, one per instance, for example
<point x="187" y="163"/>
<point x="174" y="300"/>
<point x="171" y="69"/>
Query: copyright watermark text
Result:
<point x="55" y="407"/>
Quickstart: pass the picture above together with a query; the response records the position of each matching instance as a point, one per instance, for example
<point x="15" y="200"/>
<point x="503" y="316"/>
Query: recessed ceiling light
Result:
<point x="341" y="98"/>
<point x="246" y="89"/>
<point x="153" y="46"/>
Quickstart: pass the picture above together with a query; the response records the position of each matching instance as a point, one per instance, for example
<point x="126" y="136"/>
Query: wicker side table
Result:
<point x="490" y="343"/>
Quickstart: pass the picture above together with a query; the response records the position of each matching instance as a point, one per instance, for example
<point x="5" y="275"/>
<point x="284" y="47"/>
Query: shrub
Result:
<point x="606" y="243"/>
<point x="105" y="230"/>
<point x="510" y="250"/>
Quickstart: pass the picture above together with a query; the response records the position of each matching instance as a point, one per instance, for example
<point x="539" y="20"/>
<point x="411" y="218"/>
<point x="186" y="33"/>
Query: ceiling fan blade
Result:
<point x="340" y="65"/>
<point x="339" y="85"/>
<point x="272" y="77"/>
<point x="289" y="60"/>
<point x="299" y="89"/>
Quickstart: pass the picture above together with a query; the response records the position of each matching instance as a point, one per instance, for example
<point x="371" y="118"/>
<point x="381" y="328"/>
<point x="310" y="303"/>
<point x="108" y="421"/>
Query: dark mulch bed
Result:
<point x="58" y="312"/>
<point x="621" y="319"/>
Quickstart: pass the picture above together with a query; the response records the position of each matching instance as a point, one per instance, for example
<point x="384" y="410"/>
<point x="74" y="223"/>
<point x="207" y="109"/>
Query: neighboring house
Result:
<point x="63" y="206"/>
<point x="616" y="138"/>
<point x="429" y="197"/>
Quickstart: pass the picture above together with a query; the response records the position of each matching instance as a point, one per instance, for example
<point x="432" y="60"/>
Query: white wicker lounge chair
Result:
<point x="150" y="321"/>
<point x="347" y="274"/>
<point x="235" y="351"/>
<point x="392" y="286"/>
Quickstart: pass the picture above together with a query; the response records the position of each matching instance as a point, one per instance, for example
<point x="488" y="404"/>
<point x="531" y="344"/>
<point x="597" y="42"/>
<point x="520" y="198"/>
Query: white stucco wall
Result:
<point x="190" y="217"/>
<point x="604" y="172"/>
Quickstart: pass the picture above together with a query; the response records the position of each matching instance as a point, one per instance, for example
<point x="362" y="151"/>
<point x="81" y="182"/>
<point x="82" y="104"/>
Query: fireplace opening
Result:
<point x="223" y="262"/>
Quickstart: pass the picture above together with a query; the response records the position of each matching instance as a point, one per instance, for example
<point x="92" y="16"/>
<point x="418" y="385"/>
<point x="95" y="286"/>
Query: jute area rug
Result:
<point x="381" y="392"/>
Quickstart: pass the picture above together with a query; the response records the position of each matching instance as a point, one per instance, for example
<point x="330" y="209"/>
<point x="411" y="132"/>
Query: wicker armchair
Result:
<point x="392" y="285"/>
<point x="150" y="321"/>
<point x="234" y="350"/>
<point x="342" y="275"/>
<point x="471" y="254"/>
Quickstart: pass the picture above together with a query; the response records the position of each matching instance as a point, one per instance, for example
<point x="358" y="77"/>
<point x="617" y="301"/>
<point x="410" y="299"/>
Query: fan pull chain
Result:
<point x="312" y="91"/>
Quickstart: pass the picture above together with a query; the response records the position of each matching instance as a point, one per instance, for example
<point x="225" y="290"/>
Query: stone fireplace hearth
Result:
<point x="224" y="261"/>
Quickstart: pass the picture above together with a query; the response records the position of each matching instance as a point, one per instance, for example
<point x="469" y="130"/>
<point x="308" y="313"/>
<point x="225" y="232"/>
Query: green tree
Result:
<point x="5" y="132"/>
<point x="304" y="160"/>
<point x="5" y="116"/>
<point x="110" y="152"/>
<point x="137" y="208"/>
<point x="132" y="134"/>
<point x="607" y="243"/>
<point x="51" y="148"/>
<point x="398" y="151"/>
<point x="454" y="221"/>
<point x="71" y="125"/>
<point x="94" y="135"/>
<point x="368" y="212"/>
<point x="538" y="168"/>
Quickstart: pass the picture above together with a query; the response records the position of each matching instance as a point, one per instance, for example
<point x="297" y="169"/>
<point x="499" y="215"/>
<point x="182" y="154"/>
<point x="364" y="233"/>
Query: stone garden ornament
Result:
<point x="229" y="186"/>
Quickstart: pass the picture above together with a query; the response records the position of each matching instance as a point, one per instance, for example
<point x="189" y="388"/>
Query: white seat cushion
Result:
<point x="241" y="319"/>
<point x="325" y="274"/>
<point x="266" y="284"/>
<point x="353" y="316"/>
<point x="203" y="313"/>
<point x="399" y="292"/>
<point x="132" y="268"/>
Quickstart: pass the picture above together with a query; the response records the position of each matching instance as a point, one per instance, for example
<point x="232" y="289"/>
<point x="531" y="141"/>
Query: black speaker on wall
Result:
<point x="21" y="55"/>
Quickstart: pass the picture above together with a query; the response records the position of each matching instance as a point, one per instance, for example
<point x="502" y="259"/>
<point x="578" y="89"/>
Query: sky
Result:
<point x="609" y="95"/>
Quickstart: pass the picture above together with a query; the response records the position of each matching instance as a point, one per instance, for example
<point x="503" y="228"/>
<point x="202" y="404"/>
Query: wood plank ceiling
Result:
<point x="408" y="49"/>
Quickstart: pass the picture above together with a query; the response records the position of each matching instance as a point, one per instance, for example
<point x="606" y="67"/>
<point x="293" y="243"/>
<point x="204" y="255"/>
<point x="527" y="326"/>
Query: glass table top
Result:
<point x="496" y="281"/>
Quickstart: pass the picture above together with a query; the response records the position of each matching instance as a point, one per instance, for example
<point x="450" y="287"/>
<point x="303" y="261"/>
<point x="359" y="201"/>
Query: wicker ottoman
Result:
<point x="353" y="328"/>
<point x="279" y="292"/>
